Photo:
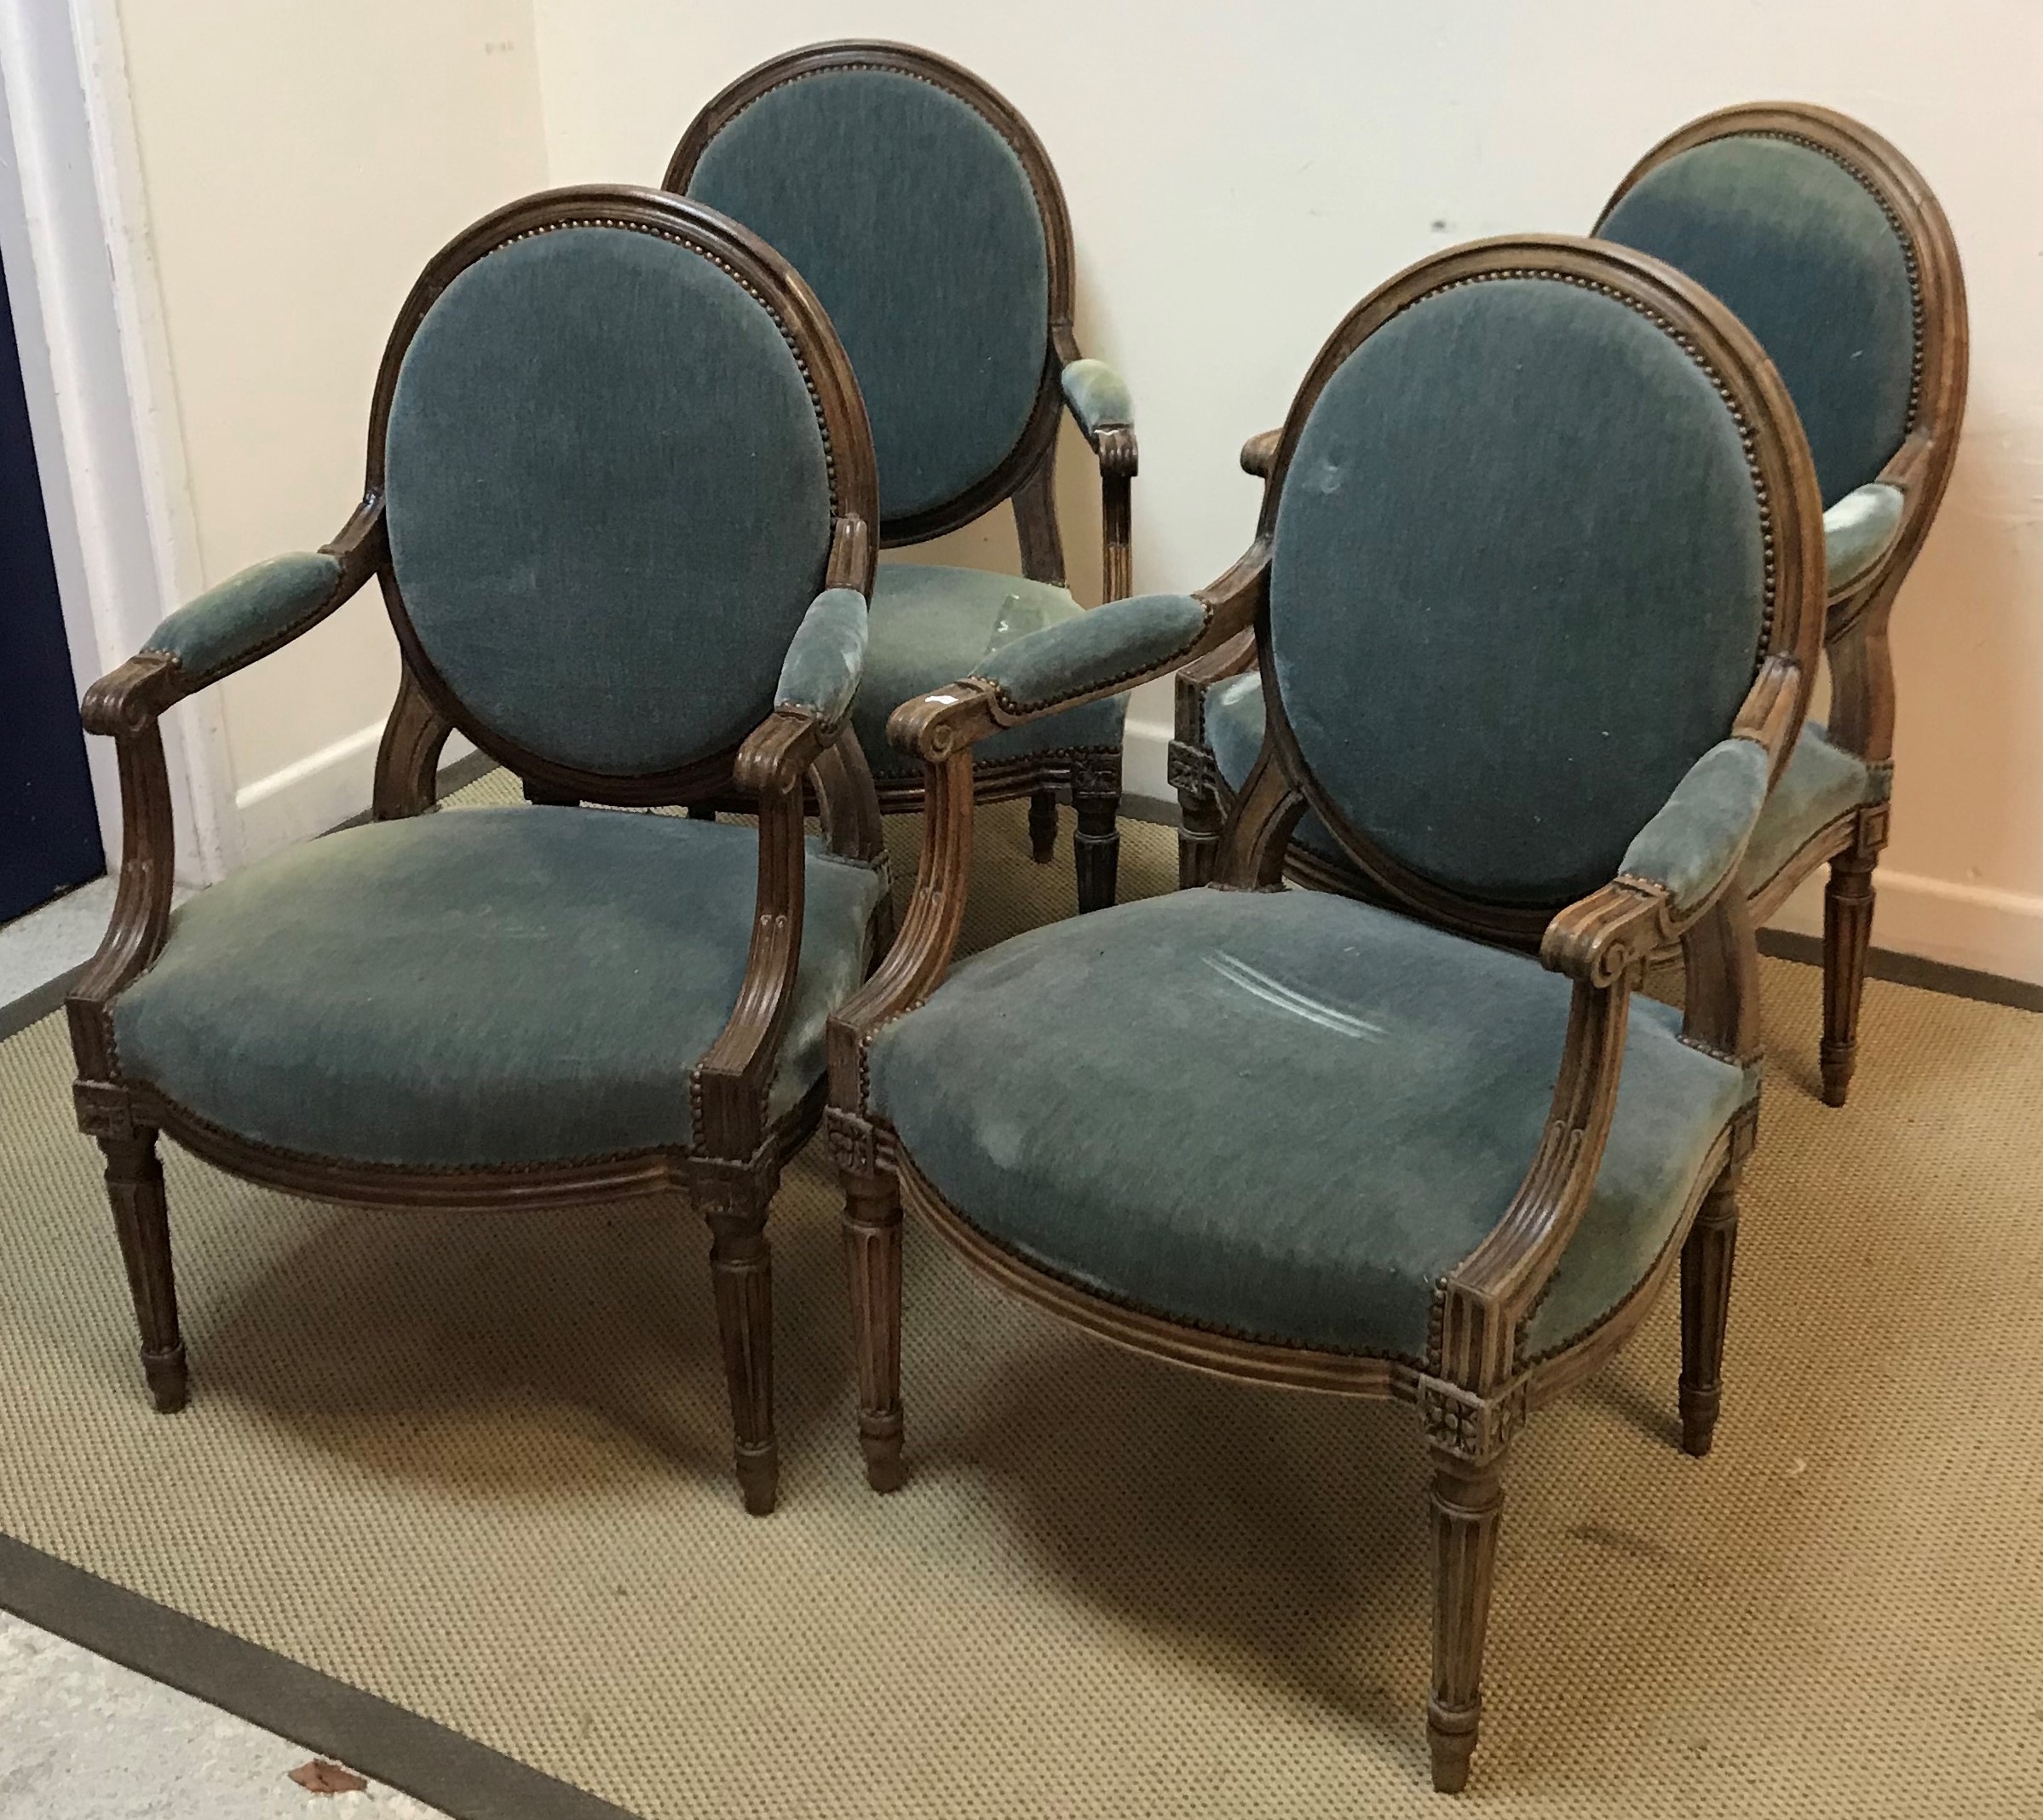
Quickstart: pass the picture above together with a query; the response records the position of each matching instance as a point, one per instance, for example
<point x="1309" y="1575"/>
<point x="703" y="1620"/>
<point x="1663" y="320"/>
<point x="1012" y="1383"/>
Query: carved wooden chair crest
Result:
<point x="928" y="218"/>
<point x="1297" y="1138"/>
<point x="1832" y="250"/>
<point x="618" y="499"/>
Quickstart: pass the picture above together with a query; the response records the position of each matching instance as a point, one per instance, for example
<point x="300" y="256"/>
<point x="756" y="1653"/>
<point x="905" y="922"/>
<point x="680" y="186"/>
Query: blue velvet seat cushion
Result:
<point x="1281" y="1115"/>
<point x="480" y="987"/>
<point x="930" y="626"/>
<point x="1820" y="783"/>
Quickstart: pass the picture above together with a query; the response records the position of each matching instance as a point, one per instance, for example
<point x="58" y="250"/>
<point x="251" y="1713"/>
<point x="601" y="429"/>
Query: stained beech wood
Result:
<point x="1025" y="479"/>
<point x="1477" y="1382"/>
<point x="733" y="1164"/>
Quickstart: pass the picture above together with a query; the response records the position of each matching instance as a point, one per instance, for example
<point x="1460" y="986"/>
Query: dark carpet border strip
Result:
<point x="1911" y="970"/>
<point x="383" y="1742"/>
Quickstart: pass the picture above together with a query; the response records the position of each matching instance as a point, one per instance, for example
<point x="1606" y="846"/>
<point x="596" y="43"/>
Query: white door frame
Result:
<point x="102" y="405"/>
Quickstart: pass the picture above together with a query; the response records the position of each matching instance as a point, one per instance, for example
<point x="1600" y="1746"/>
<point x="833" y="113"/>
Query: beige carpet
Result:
<point x="478" y="1467"/>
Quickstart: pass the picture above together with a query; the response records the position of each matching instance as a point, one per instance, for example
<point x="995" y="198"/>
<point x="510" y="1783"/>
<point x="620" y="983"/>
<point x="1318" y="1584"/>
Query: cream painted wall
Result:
<point x="301" y="163"/>
<point x="1240" y="174"/>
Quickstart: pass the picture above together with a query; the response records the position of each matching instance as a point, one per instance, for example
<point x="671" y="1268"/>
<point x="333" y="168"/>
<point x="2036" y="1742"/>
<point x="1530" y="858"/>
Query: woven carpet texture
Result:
<point x="478" y="1465"/>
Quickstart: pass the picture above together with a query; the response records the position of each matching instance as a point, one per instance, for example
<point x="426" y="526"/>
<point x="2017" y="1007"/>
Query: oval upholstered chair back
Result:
<point x="1829" y="247"/>
<point x="924" y="213"/>
<point x="614" y="436"/>
<point x="1539" y="513"/>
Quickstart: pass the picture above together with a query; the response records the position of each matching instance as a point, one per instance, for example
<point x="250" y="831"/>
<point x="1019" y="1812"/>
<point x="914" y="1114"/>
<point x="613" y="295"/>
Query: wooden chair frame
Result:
<point x="1862" y="667"/>
<point x="1477" y="1389"/>
<point x="1026" y="480"/>
<point x="732" y="1169"/>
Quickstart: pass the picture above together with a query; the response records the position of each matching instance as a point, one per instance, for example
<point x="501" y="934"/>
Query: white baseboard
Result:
<point x="1961" y="925"/>
<point x="319" y="791"/>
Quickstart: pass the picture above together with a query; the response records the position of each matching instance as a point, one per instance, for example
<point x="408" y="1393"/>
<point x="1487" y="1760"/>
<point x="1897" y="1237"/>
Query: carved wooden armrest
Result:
<point x="730" y="1082"/>
<point x="1259" y="451"/>
<point x="1098" y="400"/>
<point x="1604" y="942"/>
<point x="942" y="728"/>
<point x="225" y="629"/>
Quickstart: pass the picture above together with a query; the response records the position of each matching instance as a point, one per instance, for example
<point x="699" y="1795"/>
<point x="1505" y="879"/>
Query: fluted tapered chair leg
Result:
<point x="1467" y="1499"/>
<point x="135" y="1186"/>
<point x="741" y="1273"/>
<point x="1705" y="1301"/>
<point x="1847" y="937"/>
<point x="1095" y="840"/>
<point x="872" y="1261"/>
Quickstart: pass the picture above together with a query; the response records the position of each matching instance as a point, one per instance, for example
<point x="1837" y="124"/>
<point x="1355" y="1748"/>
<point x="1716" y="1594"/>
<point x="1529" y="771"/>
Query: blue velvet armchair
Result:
<point x="619" y="494"/>
<point x="928" y="218"/>
<point x="1381" y="1149"/>
<point x="1832" y="250"/>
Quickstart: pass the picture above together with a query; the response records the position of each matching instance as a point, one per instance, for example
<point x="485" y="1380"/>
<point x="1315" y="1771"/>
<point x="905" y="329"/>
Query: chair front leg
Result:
<point x="1466" y="1500"/>
<point x="733" y="1198"/>
<point x="135" y="1186"/>
<point x="1705" y="1299"/>
<point x="871" y="1226"/>
<point x="1847" y="902"/>
<point x="1095" y="840"/>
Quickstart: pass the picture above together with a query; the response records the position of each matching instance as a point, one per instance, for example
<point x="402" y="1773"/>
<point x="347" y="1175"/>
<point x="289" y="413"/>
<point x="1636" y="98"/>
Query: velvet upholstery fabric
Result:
<point x="827" y="658"/>
<point x="1098" y="396"/>
<point x="1113" y="643"/>
<point x="1857" y="530"/>
<point x="1820" y="783"/>
<point x="1519" y="507"/>
<point x="1697" y="837"/>
<point x="915" y="224"/>
<point x="1806" y="256"/>
<point x="1235" y="724"/>
<point x="262" y="606"/>
<point x="934" y="626"/>
<point x="481" y="986"/>
<point x="1282" y="1114"/>
<point x="608" y="501"/>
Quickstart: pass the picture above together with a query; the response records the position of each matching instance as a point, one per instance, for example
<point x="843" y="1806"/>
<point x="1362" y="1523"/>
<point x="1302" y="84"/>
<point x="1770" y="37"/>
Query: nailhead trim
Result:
<point x="1687" y="343"/>
<point x="1901" y="233"/>
<point x="744" y="284"/>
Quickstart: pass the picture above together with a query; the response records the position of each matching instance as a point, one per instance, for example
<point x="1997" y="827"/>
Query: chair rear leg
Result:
<point x="741" y="1273"/>
<point x="1705" y="1301"/>
<point x="135" y="1186"/>
<point x="1042" y="824"/>
<point x="1095" y="842"/>
<point x="872" y="1263"/>
<point x="1467" y="1499"/>
<point x="1200" y="820"/>
<point x="1847" y="936"/>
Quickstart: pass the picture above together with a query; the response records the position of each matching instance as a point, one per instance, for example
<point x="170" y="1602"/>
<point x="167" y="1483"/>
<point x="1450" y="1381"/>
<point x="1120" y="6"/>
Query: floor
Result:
<point x="47" y="942"/>
<point x="81" y="1738"/>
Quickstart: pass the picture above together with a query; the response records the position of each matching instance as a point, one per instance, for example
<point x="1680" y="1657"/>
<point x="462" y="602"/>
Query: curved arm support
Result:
<point x="1099" y="402"/>
<point x="240" y="622"/>
<point x="1112" y="648"/>
<point x="729" y="1084"/>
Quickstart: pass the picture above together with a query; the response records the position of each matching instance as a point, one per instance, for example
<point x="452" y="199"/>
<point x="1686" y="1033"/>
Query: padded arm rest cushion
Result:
<point x="1098" y="396"/>
<point x="1858" y="529"/>
<point x="826" y="657"/>
<point x="1699" y="836"/>
<point x="1118" y="642"/>
<point x="248" y="613"/>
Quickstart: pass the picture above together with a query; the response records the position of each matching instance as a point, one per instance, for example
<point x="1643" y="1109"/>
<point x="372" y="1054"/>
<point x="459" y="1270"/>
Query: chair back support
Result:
<point x="613" y="435"/>
<point x="924" y="213"/>
<point x="1526" y="527"/>
<point x="1798" y="233"/>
